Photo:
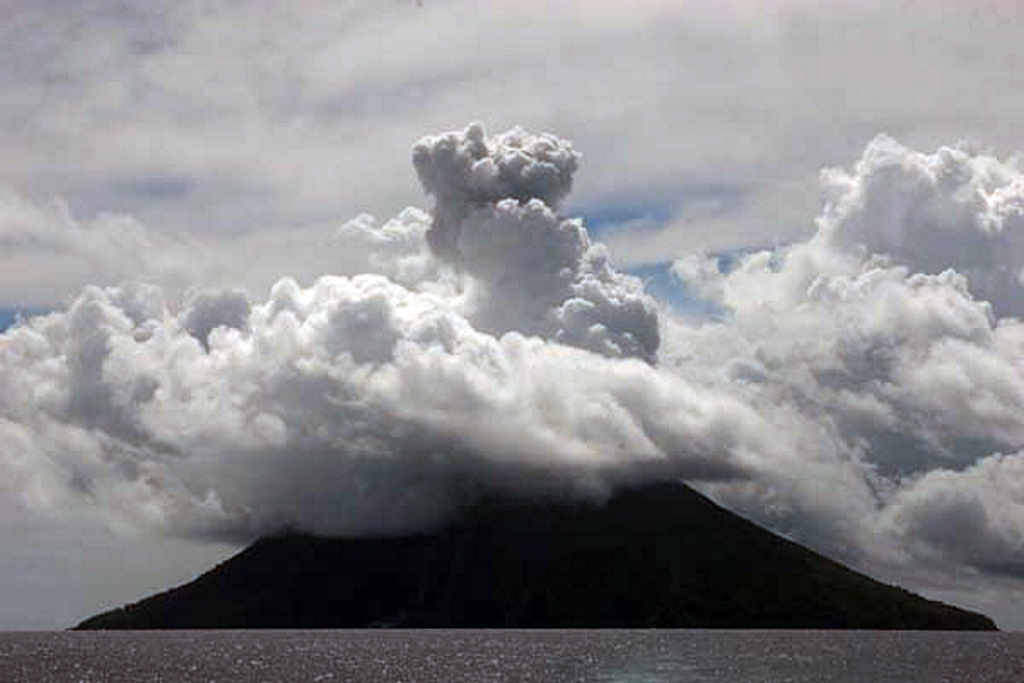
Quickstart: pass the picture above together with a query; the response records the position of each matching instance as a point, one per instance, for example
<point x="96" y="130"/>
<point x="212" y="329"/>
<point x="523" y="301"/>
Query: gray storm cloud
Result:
<point x="862" y="390"/>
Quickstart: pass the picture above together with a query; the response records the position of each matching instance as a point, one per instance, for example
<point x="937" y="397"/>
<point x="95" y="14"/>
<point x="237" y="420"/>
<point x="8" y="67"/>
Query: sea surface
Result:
<point x="482" y="655"/>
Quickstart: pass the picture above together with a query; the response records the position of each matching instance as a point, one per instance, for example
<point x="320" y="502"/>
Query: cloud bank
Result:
<point x="861" y="389"/>
<point x="361" y="403"/>
<point x="893" y="328"/>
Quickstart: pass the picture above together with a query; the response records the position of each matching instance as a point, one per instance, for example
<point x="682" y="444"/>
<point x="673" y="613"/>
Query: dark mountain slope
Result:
<point x="657" y="556"/>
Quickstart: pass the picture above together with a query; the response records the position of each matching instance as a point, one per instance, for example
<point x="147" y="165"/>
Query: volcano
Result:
<point x="659" y="555"/>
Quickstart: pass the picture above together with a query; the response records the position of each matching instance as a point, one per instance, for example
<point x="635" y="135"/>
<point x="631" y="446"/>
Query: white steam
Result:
<point x="531" y="271"/>
<point x="863" y="390"/>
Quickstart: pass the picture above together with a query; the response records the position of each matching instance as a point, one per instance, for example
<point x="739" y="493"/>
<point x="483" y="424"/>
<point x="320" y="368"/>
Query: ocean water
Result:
<point x="481" y="655"/>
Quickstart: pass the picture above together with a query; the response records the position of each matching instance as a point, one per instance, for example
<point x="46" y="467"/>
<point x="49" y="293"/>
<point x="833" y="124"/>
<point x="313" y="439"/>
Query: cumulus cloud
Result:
<point x="892" y="326"/>
<point x="861" y="389"/>
<point x="372" y="402"/>
<point x="495" y="218"/>
<point x="353" y="405"/>
<point x="932" y="212"/>
<point x="467" y="171"/>
<point x="972" y="516"/>
<point x="209" y="310"/>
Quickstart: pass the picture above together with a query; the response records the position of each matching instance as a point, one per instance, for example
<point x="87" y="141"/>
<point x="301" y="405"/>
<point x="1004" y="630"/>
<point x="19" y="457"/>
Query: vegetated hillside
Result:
<point x="654" y="556"/>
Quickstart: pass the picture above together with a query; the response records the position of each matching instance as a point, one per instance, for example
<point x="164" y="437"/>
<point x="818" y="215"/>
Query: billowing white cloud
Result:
<point x="368" y="403"/>
<point x="891" y="325"/>
<point x="467" y="171"/>
<point x="861" y="389"/>
<point x="705" y="127"/>
<point x="973" y="516"/>
<point x="932" y="212"/>
<point x="531" y="270"/>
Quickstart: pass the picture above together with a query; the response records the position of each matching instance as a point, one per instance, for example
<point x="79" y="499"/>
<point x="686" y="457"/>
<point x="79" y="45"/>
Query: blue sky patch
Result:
<point x="706" y="197"/>
<point x="10" y="315"/>
<point x="660" y="283"/>
<point x="601" y="218"/>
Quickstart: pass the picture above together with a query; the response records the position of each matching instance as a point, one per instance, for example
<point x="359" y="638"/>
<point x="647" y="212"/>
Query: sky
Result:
<point x="343" y="267"/>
